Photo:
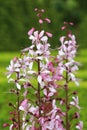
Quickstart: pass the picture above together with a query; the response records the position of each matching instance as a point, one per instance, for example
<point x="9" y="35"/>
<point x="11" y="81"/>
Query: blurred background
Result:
<point x="17" y="17"/>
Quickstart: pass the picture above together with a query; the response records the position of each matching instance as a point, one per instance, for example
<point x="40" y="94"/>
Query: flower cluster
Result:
<point x="37" y="76"/>
<point x="67" y="53"/>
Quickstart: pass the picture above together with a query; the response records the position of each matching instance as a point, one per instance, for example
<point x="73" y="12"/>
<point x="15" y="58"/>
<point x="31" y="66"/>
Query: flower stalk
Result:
<point x="46" y="110"/>
<point x="67" y="104"/>
<point x="18" y="104"/>
<point x="39" y="96"/>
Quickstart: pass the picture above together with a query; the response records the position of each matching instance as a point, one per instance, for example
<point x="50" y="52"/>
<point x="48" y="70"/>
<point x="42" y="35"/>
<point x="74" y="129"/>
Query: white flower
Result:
<point x="18" y="86"/>
<point x="62" y="39"/>
<point x="30" y="65"/>
<point x="39" y="79"/>
<point x="11" y="127"/>
<point x="44" y="39"/>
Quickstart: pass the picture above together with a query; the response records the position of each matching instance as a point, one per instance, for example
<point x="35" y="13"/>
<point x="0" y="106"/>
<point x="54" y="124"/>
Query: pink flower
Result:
<point x="58" y="75"/>
<point x="14" y="67"/>
<point x="54" y="121"/>
<point x="73" y="40"/>
<point x="34" y="110"/>
<point x="51" y="92"/>
<point x="75" y="102"/>
<point x="38" y="37"/>
<point x="79" y="126"/>
<point x="46" y="77"/>
<point x="50" y="66"/>
<point x="24" y="105"/>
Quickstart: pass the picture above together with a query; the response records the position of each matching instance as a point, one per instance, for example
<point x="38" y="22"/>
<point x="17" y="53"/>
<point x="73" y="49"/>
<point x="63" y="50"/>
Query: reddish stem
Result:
<point x="66" y="92"/>
<point x="39" y="96"/>
<point x="18" y="101"/>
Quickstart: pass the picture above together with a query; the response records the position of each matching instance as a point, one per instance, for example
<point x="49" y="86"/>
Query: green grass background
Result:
<point x="5" y="96"/>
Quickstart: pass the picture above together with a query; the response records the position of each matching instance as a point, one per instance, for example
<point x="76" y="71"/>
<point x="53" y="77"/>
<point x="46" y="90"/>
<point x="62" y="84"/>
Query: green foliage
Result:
<point x="83" y="5"/>
<point x="69" y="10"/>
<point x="83" y="32"/>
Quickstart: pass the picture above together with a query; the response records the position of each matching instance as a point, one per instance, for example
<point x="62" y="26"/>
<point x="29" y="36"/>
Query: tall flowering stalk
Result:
<point x="66" y="66"/>
<point x="37" y="76"/>
<point x="67" y="53"/>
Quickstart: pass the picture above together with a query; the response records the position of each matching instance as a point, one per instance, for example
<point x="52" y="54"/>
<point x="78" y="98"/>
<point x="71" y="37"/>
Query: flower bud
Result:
<point x="15" y="59"/>
<point x="5" y="125"/>
<point x="10" y="104"/>
<point x="49" y="34"/>
<point x="63" y="27"/>
<point x="31" y="31"/>
<point x="76" y="115"/>
<point x="65" y="22"/>
<point x="47" y="20"/>
<point x="42" y="10"/>
<point x="71" y="23"/>
<point x="36" y="9"/>
<point x="40" y="21"/>
<point x="74" y="93"/>
<point x="39" y="14"/>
